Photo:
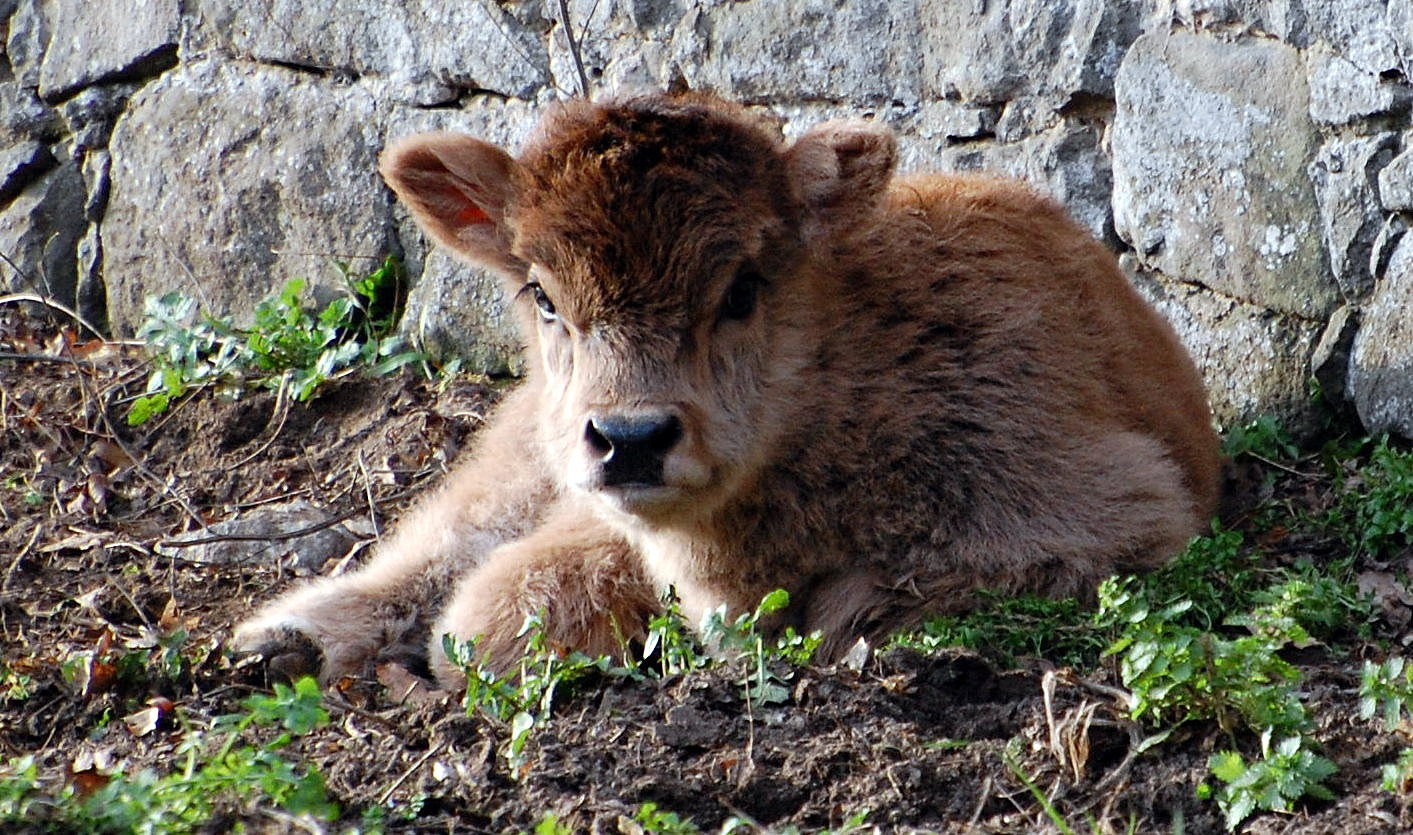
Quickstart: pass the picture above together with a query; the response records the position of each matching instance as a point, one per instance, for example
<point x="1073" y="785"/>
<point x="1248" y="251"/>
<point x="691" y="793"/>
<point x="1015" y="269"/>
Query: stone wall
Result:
<point x="1250" y="160"/>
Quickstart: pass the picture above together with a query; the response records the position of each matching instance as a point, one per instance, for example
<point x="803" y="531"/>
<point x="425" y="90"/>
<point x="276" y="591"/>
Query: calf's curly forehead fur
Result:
<point x="650" y="192"/>
<point x="755" y="365"/>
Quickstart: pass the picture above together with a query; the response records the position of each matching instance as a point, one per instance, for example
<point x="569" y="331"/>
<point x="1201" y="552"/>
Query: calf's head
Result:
<point x="672" y="262"/>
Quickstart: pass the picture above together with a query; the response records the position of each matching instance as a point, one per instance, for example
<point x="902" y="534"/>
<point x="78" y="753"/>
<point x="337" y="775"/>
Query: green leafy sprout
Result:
<point x="289" y="347"/>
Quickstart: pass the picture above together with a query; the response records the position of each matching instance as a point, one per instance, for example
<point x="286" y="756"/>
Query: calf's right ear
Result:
<point x="457" y="188"/>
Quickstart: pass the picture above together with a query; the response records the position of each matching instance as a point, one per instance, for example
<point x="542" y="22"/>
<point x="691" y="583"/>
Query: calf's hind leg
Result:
<point x="579" y="575"/>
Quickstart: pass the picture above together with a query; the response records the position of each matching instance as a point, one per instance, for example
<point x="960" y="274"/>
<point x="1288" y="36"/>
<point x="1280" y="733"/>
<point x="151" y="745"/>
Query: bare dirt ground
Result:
<point x="920" y="742"/>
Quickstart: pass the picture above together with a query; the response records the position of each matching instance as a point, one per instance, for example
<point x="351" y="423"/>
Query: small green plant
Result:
<point x="550" y="825"/>
<point x="1375" y="510"/>
<point x="1008" y="628"/>
<point x="1216" y="574"/>
<point x="1397" y="776"/>
<point x="656" y="821"/>
<point x="20" y="483"/>
<point x="185" y="800"/>
<point x="14" y="686"/>
<point x="19" y="790"/>
<point x="288" y="347"/>
<point x="1262" y="438"/>
<point x="1282" y="775"/>
<point x="1178" y="672"/>
<point x="1386" y="689"/>
<point x="670" y="644"/>
<point x="743" y="637"/>
<point x="525" y="697"/>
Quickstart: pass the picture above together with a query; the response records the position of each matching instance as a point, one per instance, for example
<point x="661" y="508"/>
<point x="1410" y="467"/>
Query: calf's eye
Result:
<point x="742" y="295"/>
<point x="542" y="302"/>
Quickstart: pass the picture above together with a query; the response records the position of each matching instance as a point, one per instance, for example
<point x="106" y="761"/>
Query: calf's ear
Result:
<point x="841" y="170"/>
<point x="457" y="188"/>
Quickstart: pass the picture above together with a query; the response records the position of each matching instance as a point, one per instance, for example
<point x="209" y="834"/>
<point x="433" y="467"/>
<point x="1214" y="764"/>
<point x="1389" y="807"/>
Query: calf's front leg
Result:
<point x="578" y="574"/>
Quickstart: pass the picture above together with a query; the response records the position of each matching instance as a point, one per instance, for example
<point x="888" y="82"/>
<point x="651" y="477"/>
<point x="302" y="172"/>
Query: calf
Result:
<point x="757" y="365"/>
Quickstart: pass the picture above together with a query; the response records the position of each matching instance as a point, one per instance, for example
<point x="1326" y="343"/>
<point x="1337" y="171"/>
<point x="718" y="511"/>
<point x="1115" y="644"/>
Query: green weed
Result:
<point x="1387" y="689"/>
<point x="289" y="347"/>
<point x="1177" y="672"/>
<point x="1283" y="774"/>
<point x="1374" y="513"/>
<point x="763" y="681"/>
<point x="185" y="800"/>
<point x="1263" y="438"/>
<point x="1009" y="628"/>
<point x="525" y="697"/>
<point x="1397" y="776"/>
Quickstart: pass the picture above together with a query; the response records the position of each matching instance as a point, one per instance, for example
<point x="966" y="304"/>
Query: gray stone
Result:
<point x="866" y="53"/>
<point x="21" y="164"/>
<point x="1359" y="30"/>
<point x="115" y="40"/>
<point x="1254" y="362"/>
<point x="1341" y="92"/>
<point x="24" y="117"/>
<point x="1209" y="170"/>
<point x="461" y="311"/>
<point x="422" y="46"/>
<point x="1400" y="24"/>
<point x="39" y="232"/>
<point x="989" y="52"/>
<point x="1283" y="19"/>
<point x="91" y="114"/>
<point x="268" y="535"/>
<point x="1381" y="368"/>
<point x="1345" y="175"/>
<point x="1385" y="244"/>
<point x="1329" y="364"/>
<point x="214" y="197"/>
<point x="92" y="295"/>
<point x="1396" y="180"/>
<point x="97" y="167"/>
<point x="949" y="122"/>
<point x="26" y="40"/>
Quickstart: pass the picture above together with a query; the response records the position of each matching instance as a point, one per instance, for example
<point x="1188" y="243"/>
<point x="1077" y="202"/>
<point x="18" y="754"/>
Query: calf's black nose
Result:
<point x="632" y="448"/>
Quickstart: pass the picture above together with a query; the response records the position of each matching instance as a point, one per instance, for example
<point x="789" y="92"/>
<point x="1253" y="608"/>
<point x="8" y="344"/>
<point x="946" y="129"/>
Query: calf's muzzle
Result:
<point x="631" y="448"/>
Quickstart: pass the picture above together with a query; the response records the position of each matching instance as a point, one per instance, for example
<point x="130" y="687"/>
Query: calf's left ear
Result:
<point x="841" y="170"/>
<point x="458" y="188"/>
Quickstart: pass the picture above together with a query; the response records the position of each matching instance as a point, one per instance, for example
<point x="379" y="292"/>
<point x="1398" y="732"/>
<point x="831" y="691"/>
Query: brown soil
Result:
<point x="923" y="742"/>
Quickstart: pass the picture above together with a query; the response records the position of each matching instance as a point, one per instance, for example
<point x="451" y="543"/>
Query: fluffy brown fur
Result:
<point x="879" y="393"/>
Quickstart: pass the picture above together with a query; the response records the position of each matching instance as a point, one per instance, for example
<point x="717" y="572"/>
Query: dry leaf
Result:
<point x="143" y="722"/>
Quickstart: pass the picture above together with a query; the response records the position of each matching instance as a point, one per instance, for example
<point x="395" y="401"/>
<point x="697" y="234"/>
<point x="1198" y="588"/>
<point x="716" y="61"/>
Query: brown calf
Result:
<point x="760" y="365"/>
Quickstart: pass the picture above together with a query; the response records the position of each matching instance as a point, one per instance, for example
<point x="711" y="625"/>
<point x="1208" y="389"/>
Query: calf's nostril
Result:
<point x="598" y="442"/>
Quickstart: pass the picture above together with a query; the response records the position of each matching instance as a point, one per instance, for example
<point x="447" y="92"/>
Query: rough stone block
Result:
<point x="1396" y="180"/>
<point x="865" y="53"/>
<point x="1341" y="92"/>
<point x="1255" y="363"/>
<point x="430" y="49"/>
<point x="1345" y="174"/>
<point x="1210" y="157"/>
<point x="114" y="40"/>
<point x="994" y="52"/>
<point x="39" y="233"/>
<point x="1381" y="367"/>
<point x="214" y="196"/>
